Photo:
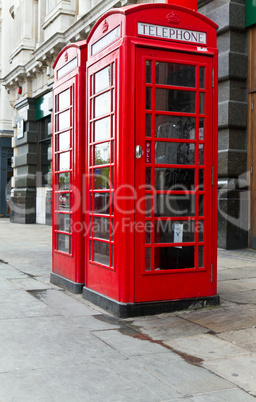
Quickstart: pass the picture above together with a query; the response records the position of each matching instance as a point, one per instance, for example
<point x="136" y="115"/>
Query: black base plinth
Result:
<point x="67" y="284"/>
<point x="125" y="310"/>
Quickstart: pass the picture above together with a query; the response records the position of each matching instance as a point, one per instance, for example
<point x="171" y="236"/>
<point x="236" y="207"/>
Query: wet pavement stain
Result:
<point x="128" y="329"/>
<point x="41" y="294"/>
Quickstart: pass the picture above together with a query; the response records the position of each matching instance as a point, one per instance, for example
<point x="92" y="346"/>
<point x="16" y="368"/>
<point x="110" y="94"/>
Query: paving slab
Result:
<point x="206" y="347"/>
<point x="236" y="395"/>
<point x="245" y="297"/>
<point x="115" y="381"/>
<point x="232" y="286"/>
<point x="133" y="344"/>
<point x="224" y="319"/>
<point x="240" y="370"/>
<point x="189" y="379"/>
<point x="245" y="338"/>
<point x="236" y="273"/>
<point x="167" y="326"/>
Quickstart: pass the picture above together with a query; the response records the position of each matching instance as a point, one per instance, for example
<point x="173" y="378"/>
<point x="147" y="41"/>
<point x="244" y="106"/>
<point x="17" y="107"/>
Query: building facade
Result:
<point x="38" y="29"/>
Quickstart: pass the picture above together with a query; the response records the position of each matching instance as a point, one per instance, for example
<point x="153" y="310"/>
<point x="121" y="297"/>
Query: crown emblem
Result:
<point x="66" y="56"/>
<point x="173" y="18"/>
<point x="105" y="27"/>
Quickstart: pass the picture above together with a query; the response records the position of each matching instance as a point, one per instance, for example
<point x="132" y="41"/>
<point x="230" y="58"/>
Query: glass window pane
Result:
<point x="148" y="98"/>
<point x="64" y="181"/>
<point x="175" y="205"/>
<point x="101" y="252"/>
<point x="147" y="259"/>
<point x="101" y="228"/>
<point x="174" y="257"/>
<point x="102" y="129"/>
<point x="148" y="71"/>
<point x="201" y="179"/>
<point x="202" y="78"/>
<point x="64" y="161"/>
<point x="174" y="231"/>
<point x="112" y="255"/>
<point x="180" y="127"/>
<point x="102" y="79"/>
<point x="64" y="201"/>
<point x="63" y="222"/>
<point x="64" y="141"/>
<point x="201" y="205"/>
<point x="101" y="178"/>
<point x="175" y="74"/>
<point x="64" y="120"/>
<point x="201" y="102"/>
<point x="148" y="232"/>
<point x="201" y="154"/>
<point x="174" y="153"/>
<point x="148" y="125"/>
<point x="175" y="101"/>
<point x="148" y="177"/>
<point x="64" y="99"/>
<point x="174" y="179"/>
<point x="102" y="153"/>
<point x="201" y="256"/>
<point x="201" y="129"/>
<point x="63" y="243"/>
<point x="200" y="228"/>
<point x="102" y="104"/>
<point x="102" y="203"/>
<point x="148" y="206"/>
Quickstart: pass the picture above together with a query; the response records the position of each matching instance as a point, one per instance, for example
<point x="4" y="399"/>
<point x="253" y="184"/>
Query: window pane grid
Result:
<point x="198" y="142"/>
<point x="101" y="166"/>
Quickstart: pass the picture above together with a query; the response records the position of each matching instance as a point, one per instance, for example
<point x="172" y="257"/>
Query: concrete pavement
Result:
<point x="56" y="346"/>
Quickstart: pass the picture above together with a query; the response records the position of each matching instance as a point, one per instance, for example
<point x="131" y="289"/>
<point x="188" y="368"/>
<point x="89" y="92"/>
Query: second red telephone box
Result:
<point x="68" y="259"/>
<point x="152" y="160"/>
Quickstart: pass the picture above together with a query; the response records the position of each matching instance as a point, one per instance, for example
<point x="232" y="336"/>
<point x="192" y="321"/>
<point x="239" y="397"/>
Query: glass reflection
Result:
<point x="174" y="153"/>
<point x="101" y="178"/>
<point x="175" y="101"/>
<point x="64" y="161"/>
<point x="102" y="203"/>
<point x="180" y="127"/>
<point x="174" y="179"/>
<point x="101" y="228"/>
<point x="174" y="257"/>
<point x="64" y="99"/>
<point x="102" y="79"/>
<point x="101" y="252"/>
<point x="174" y="231"/>
<point x="64" y="120"/>
<point x="175" y="74"/>
<point x="102" y="104"/>
<point x="174" y="205"/>
<point x="63" y="243"/>
<point x="102" y="129"/>
<point x="64" y="141"/>
<point x="102" y="153"/>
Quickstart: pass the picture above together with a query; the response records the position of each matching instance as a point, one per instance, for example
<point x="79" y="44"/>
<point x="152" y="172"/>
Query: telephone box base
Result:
<point x="67" y="284"/>
<point x="126" y="310"/>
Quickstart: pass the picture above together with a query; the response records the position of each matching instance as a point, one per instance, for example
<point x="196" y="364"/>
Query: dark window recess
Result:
<point x="44" y="167"/>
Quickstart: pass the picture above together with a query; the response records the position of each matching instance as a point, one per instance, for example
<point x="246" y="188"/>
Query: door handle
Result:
<point x="138" y="151"/>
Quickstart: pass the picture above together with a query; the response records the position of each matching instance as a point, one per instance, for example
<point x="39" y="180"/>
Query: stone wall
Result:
<point x="233" y="73"/>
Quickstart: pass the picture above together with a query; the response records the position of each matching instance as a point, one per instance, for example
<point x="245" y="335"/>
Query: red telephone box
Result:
<point x="152" y="160"/>
<point x="68" y="266"/>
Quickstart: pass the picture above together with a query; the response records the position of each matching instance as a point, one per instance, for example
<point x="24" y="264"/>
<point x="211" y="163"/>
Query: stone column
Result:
<point x="23" y="195"/>
<point x="233" y="72"/>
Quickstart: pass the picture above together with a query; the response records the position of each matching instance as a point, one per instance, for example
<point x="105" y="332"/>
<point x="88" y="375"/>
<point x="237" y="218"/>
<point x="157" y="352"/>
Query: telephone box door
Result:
<point x="174" y="134"/>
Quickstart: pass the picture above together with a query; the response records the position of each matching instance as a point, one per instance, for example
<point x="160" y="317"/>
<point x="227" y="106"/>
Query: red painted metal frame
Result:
<point x="71" y="266"/>
<point x="120" y="283"/>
